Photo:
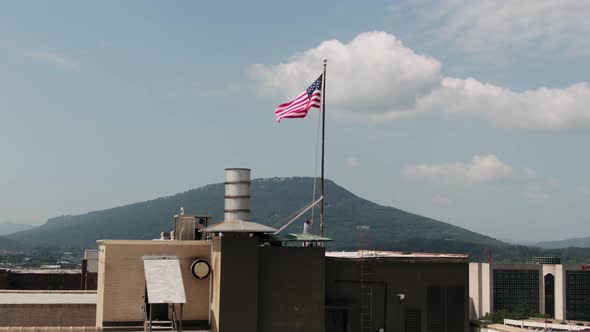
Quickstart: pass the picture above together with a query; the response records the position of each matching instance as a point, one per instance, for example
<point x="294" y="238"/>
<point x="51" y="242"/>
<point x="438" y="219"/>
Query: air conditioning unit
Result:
<point x="187" y="226"/>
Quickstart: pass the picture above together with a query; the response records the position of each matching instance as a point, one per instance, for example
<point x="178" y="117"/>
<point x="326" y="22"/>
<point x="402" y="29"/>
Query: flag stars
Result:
<point x="317" y="85"/>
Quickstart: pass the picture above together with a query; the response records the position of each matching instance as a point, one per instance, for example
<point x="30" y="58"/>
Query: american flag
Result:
<point x="298" y="107"/>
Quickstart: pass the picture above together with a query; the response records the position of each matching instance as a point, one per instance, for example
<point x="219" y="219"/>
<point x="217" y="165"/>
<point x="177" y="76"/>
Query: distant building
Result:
<point x="546" y="260"/>
<point x="53" y="277"/>
<point x="561" y="291"/>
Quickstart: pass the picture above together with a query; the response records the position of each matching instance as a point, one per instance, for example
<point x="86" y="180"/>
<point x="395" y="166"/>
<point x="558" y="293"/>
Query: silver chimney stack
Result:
<point x="237" y="206"/>
<point x="237" y="194"/>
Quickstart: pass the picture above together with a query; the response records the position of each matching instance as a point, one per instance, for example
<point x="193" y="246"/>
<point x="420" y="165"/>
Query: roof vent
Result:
<point x="237" y="194"/>
<point x="237" y="205"/>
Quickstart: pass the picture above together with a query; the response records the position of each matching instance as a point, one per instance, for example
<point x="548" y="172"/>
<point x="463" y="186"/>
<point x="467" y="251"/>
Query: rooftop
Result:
<point x="44" y="271"/>
<point x="397" y="255"/>
<point x="159" y="242"/>
<point x="238" y="226"/>
<point x="47" y="297"/>
<point x="299" y="237"/>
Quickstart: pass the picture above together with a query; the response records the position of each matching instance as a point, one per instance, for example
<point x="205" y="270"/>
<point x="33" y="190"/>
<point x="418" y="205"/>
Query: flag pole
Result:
<point x="323" y="141"/>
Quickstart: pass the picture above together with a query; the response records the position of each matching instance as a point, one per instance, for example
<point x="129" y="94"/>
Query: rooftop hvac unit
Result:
<point x="187" y="226"/>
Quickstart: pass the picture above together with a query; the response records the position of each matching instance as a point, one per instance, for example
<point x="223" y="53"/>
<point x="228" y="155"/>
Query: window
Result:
<point x="577" y="294"/>
<point x="515" y="288"/>
<point x="446" y="309"/>
<point x="550" y="295"/>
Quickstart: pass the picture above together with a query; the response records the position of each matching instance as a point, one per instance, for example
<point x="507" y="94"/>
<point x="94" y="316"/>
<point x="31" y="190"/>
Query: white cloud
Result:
<point x="372" y="75"/>
<point x="536" y="193"/>
<point x="441" y="200"/>
<point x="56" y="59"/>
<point x="529" y="173"/>
<point x="492" y="28"/>
<point x="542" y="109"/>
<point x="352" y="162"/>
<point x="481" y="169"/>
<point x="375" y="78"/>
<point x="583" y="189"/>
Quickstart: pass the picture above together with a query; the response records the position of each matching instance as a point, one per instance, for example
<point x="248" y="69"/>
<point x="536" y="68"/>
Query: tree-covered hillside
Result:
<point x="583" y="242"/>
<point x="10" y="244"/>
<point x="272" y="200"/>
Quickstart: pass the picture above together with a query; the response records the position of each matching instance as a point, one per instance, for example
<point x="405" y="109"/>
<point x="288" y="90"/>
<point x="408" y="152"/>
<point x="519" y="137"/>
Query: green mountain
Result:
<point x="272" y="200"/>
<point x="582" y="242"/>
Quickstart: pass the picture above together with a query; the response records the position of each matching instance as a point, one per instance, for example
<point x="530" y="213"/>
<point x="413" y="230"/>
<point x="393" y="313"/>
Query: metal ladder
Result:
<point x="366" y="278"/>
<point x="366" y="308"/>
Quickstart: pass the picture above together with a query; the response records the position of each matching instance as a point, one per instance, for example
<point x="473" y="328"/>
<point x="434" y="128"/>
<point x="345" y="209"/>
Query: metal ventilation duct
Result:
<point x="237" y="194"/>
<point x="237" y="206"/>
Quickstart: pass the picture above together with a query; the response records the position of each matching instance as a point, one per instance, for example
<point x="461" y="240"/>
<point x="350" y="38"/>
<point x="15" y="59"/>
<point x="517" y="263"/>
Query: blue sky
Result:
<point x="471" y="113"/>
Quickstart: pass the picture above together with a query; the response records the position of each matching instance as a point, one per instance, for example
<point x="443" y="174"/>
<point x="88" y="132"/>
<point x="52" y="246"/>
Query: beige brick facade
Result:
<point x="47" y="315"/>
<point x="121" y="278"/>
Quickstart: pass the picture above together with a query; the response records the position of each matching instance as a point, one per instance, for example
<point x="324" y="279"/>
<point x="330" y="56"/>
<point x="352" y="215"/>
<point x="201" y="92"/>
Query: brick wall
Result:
<point x="47" y="314"/>
<point x="50" y="328"/>
<point x="44" y="281"/>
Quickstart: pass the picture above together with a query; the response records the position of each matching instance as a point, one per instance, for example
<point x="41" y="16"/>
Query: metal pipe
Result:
<point x="299" y="215"/>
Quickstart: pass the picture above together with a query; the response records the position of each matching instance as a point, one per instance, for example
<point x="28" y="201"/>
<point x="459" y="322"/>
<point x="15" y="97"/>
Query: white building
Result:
<point x="561" y="291"/>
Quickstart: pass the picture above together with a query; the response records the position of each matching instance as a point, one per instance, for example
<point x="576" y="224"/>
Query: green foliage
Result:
<point x="539" y="315"/>
<point x="521" y="312"/>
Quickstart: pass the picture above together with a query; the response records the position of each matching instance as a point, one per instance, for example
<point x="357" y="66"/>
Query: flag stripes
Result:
<point x="298" y="107"/>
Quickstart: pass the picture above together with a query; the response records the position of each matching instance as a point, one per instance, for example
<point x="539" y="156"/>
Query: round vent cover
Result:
<point x="201" y="269"/>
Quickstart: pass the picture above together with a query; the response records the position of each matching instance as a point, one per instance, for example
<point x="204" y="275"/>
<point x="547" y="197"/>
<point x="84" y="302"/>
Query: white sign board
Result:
<point x="163" y="280"/>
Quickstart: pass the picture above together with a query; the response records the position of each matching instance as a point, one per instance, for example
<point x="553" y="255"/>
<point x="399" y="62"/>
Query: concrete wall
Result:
<point x="47" y="314"/>
<point x="237" y="290"/>
<point x="121" y="278"/>
<point x="481" y="297"/>
<point x="266" y="288"/>
<point x="291" y="289"/>
<point x="560" y="312"/>
<point x="487" y="292"/>
<point x="392" y="278"/>
<point x="216" y="282"/>
<point x="475" y="301"/>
